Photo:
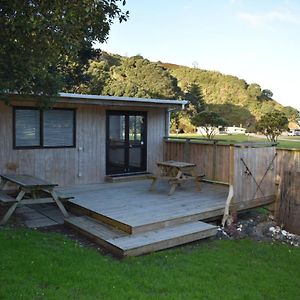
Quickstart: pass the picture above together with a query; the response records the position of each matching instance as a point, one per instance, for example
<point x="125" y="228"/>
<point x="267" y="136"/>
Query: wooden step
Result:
<point x="123" y="178"/>
<point x="132" y="228"/>
<point x="123" y="244"/>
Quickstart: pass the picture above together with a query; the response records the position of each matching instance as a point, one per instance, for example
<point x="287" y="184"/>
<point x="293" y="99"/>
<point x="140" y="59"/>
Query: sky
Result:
<point x="255" y="40"/>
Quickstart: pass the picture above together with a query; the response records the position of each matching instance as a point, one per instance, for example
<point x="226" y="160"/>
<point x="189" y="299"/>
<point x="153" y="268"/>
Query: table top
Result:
<point x="176" y="164"/>
<point x="27" y="180"/>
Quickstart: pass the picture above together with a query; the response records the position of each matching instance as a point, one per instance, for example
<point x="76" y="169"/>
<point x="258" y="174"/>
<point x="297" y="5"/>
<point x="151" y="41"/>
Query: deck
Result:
<point x="127" y="219"/>
<point x="133" y="208"/>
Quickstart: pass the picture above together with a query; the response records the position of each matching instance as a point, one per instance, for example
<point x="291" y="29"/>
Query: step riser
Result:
<point x="78" y="210"/>
<point x="171" y="243"/>
<point x="144" y="228"/>
<point x="159" y="225"/>
<point x="155" y="246"/>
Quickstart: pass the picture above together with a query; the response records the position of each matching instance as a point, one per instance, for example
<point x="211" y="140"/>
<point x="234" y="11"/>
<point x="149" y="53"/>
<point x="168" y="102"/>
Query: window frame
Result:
<point x="41" y="125"/>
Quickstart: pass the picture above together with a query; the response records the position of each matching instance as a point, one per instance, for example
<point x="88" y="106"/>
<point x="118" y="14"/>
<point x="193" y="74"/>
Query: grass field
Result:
<point x="289" y="142"/>
<point x="36" y="265"/>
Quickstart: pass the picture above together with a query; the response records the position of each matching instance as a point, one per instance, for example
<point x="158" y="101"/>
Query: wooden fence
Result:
<point x="289" y="205"/>
<point x="213" y="159"/>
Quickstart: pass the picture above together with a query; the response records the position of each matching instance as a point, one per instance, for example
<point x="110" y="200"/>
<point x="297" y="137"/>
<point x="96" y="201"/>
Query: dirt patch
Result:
<point x="258" y="225"/>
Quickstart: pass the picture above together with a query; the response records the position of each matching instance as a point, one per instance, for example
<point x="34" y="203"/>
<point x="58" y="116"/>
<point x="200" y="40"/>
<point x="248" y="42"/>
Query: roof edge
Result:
<point x="124" y="99"/>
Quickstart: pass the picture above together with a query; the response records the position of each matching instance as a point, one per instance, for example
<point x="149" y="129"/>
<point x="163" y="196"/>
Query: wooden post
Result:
<point x="187" y="151"/>
<point x="226" y="217"/>
<point x="164" y="148"/>
<point x="214" y="161"/>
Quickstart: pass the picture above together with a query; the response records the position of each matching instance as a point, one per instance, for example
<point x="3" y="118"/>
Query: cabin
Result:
<point x="83" y="138"/>
<point x="83" y="141"/>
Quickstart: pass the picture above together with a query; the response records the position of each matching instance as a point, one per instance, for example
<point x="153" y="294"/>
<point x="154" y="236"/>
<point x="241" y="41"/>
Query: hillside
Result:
<point x="236" y="100"/>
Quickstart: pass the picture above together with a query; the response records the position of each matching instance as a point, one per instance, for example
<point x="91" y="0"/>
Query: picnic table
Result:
<point x="28" y="185"/>
<point x="176" y="172"/>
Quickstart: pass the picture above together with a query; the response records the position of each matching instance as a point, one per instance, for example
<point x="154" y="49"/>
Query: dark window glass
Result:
<point x="27" y="128"/>
<point x="58" y="128"/>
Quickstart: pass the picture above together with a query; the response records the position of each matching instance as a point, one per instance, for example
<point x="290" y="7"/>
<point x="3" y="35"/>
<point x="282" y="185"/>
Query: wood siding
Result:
<point x="83" y="164"/>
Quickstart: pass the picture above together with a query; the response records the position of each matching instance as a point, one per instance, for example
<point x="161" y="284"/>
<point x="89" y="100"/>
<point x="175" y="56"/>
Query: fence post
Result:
<point x="187" y="151"/>
<point x="214" y="160"/>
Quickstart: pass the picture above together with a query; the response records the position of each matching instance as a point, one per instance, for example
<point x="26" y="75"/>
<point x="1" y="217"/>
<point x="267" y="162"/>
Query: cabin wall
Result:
<point x="84" y="164"/>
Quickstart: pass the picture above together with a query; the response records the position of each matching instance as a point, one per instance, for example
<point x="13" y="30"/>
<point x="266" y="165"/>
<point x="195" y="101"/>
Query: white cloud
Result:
<point x="258" y="20"/>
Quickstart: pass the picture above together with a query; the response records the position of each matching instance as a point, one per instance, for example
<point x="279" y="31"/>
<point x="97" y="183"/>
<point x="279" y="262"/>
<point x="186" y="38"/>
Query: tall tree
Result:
<point x="195" y="97"/>
<point x="41" y="38"/>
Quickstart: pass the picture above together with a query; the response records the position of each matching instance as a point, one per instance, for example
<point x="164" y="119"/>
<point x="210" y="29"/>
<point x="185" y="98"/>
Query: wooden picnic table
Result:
<point x="31" y="185"/>
<point x="176" y="172"/>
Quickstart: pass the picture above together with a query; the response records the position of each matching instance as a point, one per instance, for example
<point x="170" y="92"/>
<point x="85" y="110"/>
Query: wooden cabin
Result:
<point x="83" y="138"/>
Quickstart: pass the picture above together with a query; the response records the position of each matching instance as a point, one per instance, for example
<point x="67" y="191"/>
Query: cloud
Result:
<point x="258" y="20"/>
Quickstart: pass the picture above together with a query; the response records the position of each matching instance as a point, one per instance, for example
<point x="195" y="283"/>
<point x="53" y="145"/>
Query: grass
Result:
<point x="284" y="142"/>
<point x="37" y="265"/>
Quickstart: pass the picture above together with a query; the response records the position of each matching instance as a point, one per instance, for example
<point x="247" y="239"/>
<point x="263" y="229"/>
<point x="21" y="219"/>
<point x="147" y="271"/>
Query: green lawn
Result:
<point x="36" y="265"/>
<point x="284" y="142"/>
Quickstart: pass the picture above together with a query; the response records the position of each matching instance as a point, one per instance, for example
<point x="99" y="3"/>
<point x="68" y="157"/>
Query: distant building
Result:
<point x="222" y="130"/>
<point x="294" y="132"/>
<point x="202" y="130"/>
<point x="235" y="130"/>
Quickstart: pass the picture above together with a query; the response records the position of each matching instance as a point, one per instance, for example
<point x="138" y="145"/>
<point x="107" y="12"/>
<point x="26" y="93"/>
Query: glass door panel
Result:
<point x="116" y="143"/>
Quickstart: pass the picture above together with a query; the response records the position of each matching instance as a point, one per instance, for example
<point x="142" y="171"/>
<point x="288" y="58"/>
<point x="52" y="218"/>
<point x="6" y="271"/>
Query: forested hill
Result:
<point x="236" y="100"/>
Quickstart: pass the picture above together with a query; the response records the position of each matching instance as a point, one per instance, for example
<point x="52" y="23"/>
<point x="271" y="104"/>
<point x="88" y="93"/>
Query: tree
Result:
<point x="254" y="90"/>
<point x="138" y="77"/>
<point x="210" y="121"/>
<point x="266" y="95"/>
<point x="272" y="125"/>
<point x="39" y="39"/>
<point x="98" y="73"/>
<point x="292" y="114"/>
<point x="196" y="99"/>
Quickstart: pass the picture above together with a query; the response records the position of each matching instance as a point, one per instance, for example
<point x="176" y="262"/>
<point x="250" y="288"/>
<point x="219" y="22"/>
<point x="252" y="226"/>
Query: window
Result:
<point x="27" y="124"/>
<point x="34" y="128"/>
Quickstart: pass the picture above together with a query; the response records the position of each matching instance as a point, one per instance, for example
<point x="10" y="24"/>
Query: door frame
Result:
<point x="127" y="113"/>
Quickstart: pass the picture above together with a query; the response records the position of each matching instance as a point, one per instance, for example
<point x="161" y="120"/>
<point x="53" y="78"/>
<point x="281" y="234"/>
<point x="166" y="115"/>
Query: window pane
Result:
<point x="27" y="127"/>
<point x="58" y="128"/>
<point x="117" y="130"/>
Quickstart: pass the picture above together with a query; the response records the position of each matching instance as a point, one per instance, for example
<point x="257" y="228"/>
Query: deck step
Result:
<point x="123" y="178"/>
<point x="124" y="244"/>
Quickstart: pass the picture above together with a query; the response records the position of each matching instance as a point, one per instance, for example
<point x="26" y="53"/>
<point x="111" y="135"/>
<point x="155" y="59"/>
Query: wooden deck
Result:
<point x="127" y="219"/>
